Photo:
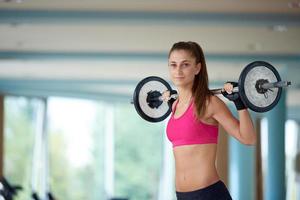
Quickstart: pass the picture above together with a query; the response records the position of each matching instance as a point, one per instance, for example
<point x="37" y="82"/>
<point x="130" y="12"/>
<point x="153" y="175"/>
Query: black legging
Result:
<point x="216" y="191"/>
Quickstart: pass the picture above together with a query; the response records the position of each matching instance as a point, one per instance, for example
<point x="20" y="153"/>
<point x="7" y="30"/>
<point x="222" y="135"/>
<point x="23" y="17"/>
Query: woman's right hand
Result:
<point x="166" y="95"/>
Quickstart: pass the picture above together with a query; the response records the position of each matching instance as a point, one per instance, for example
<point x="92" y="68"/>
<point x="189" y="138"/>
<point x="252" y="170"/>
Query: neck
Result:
<point x="184" y="95"/>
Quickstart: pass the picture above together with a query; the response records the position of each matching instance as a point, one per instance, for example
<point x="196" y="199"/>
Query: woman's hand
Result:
<point x="166" y="95"/>
<point x="233" y="96"/>
<point x="228" y="87"/>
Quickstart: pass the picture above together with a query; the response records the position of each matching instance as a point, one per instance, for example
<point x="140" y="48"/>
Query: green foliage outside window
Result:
<point x="18" y="142"/>
<point x="138" y="154"/>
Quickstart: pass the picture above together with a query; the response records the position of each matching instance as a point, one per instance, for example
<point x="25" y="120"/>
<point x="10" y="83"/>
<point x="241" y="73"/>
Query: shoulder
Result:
<point x="214" y="100"/>
<point x="215" y="104"/>
<point x="210" y="107"/>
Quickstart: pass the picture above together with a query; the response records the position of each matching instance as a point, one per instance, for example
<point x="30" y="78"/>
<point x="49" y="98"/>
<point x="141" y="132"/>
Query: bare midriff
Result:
<point x="195" y="166"/>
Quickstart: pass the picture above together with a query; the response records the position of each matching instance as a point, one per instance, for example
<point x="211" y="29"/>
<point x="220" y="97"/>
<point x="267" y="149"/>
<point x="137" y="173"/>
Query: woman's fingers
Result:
<point x="228" y="87"/>
<point x="166" y="95"/>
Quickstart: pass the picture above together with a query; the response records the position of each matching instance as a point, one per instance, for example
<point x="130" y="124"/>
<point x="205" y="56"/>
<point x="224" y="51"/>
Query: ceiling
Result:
<point x="212" y="6"/>
<point x="126" y="40"/>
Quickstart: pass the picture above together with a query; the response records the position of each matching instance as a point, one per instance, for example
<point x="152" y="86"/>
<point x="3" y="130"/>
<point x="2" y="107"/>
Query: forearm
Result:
<point x="246" y="128"/>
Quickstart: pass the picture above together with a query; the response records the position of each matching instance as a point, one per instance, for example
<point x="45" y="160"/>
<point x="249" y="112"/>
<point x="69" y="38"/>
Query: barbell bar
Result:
<point x="259" y="87"/>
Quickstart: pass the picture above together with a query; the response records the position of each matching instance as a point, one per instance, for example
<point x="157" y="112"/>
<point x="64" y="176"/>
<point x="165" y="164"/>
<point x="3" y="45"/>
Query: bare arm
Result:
<point x="242" y="129"/>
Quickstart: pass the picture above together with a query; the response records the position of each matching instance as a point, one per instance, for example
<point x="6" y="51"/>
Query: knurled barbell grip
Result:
<point x="173" y="96"/>
<point x="220" y="90"/>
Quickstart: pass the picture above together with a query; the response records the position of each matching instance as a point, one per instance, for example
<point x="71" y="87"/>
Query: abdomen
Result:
<point x="195" y="166"/>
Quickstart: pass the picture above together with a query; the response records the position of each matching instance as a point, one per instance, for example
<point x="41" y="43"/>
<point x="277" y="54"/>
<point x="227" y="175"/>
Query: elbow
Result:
<point x="250" y="141"/>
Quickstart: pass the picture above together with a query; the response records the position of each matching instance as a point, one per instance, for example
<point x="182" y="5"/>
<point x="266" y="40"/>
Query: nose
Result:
<point x="178" y="70"/>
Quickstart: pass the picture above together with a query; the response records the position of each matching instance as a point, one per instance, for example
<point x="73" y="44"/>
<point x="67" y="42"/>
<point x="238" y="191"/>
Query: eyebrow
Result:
<point x="181" y="61"/>
<point x="186" y="61"/>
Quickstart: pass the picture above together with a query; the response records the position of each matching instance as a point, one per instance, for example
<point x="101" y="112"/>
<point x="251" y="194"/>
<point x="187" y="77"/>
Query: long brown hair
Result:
<point x="200" y="90"/>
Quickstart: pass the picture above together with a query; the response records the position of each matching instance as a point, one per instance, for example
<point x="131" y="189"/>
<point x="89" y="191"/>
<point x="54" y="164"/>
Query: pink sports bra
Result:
<point x="186" y="130"/>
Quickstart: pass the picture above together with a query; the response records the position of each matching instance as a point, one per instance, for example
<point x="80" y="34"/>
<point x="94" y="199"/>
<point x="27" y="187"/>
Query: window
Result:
<point x="18" y="141"/>
<point x="96" y="149"/>
<point x="138" y="154"/>
<point x="76" y="148"/>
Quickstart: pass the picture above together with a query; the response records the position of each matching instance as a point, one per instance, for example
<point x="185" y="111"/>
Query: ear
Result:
<point x="198" y="68"/>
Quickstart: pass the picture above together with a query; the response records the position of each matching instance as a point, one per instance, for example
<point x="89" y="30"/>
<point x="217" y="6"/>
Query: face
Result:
<point x="183" y="68"/>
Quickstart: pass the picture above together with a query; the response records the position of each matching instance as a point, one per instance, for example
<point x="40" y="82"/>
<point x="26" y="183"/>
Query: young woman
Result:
<point x="193" y="125"/>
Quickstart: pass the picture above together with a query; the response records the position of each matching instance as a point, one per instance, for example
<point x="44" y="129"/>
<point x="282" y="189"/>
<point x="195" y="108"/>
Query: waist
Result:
<point x="195" y="166"/>
<point x="189" y="181"/>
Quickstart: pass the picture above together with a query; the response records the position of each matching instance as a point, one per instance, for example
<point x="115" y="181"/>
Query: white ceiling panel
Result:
<point x="224" y="6"/>
<point x="147" y="38"/>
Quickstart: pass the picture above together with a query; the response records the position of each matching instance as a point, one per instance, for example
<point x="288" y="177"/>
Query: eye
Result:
<point x="172" y="65"/>
<point x="186" y="64"/>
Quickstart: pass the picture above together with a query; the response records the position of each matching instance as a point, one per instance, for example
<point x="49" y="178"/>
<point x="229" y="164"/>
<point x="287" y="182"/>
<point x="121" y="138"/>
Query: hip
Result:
<point x="190" y="180"/>
<point x="215" y="191"/>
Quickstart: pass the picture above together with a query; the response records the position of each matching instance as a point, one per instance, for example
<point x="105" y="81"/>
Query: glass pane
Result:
<point x="76" y="144"/>
<point x="138" y="154"/>
<point x="76" y="148"/>
<point x="19" y="127"/>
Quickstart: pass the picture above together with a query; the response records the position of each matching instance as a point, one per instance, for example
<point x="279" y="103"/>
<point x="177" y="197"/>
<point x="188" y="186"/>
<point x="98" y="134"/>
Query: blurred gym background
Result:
<point x="68" y="69"/>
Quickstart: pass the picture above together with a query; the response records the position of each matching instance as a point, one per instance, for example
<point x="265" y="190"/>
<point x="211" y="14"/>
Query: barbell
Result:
<point x="259" y="87"/>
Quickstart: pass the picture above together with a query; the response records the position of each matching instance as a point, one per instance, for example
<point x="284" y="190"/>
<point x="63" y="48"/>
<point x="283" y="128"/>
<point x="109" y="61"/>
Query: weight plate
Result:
<point x="251" y="74"/>
<point x="141" y="92"/>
